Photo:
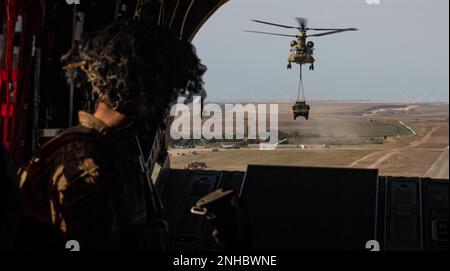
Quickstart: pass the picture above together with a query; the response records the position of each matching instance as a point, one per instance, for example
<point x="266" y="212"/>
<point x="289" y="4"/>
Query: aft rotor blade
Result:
<point x="332" y="32"/>
<point x="273" y="34"/>
<point x="277" y="25"/>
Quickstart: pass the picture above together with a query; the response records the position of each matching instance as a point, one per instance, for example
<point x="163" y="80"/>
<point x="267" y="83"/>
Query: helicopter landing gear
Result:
<point x="289" y="66"/>
<point x="311" y="68"/>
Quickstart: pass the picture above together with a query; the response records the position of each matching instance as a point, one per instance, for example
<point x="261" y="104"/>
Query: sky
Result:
<point x="400" y="53"/>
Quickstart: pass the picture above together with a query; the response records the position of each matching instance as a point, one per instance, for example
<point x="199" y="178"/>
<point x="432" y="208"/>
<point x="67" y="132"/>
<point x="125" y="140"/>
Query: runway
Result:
<point x="439" y="170"/>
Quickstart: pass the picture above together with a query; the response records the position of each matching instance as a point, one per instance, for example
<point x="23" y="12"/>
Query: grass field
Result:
<point x="239" y="159"/>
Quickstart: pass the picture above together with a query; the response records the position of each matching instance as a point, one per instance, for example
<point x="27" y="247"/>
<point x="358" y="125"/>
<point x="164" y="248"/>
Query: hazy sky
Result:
<point x="401" y="52"/>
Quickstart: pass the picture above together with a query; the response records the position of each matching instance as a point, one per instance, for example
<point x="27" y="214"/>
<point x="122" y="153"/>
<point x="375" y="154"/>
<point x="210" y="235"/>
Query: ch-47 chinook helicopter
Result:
<point x="302" y="52"/>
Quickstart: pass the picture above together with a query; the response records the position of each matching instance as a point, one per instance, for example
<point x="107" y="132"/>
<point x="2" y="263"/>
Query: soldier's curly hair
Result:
<point x="136" y="67"/>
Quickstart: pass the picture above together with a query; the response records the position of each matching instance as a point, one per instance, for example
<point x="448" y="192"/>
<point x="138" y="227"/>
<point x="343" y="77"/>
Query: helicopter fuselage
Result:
<point x="301" y="51"/>
<point x="301" y="58"/>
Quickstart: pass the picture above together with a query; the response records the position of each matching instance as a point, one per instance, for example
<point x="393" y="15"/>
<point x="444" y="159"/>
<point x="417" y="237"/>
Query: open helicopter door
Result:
<point x="36" y="107"/>
<point x="301" y="108"/>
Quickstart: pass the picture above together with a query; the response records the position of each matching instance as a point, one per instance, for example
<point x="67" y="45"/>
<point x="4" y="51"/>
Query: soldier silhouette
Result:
<point x="91" y="184"/>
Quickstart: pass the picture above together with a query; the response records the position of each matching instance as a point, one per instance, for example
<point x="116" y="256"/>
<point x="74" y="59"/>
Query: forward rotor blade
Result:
<point x="332" y="29"/>
<point x="273" y="34"/>
<point x="277" y="25"/>
<point x="332" y="32"/>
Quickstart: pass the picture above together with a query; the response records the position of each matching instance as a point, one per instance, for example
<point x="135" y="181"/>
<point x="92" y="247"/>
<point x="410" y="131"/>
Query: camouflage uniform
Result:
<point x="87" y="185"/>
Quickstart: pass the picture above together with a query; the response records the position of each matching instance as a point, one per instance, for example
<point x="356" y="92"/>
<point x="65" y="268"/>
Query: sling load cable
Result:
<point x="301" y="88"/>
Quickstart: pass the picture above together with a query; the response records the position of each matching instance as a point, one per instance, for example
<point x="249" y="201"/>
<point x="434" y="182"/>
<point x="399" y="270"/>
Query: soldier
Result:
<point x="91" y="183"/>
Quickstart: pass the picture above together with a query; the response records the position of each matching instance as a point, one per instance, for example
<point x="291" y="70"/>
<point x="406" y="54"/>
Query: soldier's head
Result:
<point x="136" y="68"/>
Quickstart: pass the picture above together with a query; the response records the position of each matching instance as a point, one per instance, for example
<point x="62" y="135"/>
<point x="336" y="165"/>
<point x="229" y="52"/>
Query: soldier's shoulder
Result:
<point x="39" y="177"/>
<point x="70" y="141"/>
<point x="69" y="167"/>
<point x="69" y="154"/>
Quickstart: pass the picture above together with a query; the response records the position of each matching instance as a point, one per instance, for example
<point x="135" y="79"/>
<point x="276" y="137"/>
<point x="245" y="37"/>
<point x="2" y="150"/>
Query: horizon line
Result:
<point x="324" y="101"/>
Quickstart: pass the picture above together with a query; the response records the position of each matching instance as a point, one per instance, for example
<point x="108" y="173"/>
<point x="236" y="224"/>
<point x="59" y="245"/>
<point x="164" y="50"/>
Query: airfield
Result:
<point x="399" y="139"/>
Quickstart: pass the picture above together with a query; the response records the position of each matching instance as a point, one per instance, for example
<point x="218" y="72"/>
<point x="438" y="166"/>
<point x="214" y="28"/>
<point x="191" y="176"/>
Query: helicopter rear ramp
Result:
<point x="303" y="209"/>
